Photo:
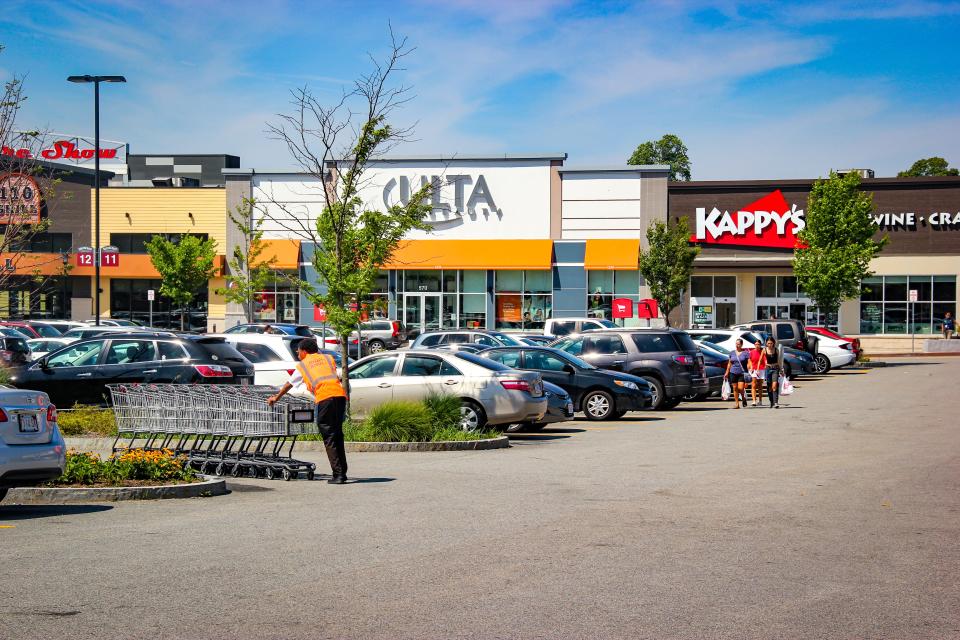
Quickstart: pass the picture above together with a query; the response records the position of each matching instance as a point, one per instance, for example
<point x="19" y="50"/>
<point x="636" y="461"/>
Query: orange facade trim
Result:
<point x="279" y="254"/>
<point x="472" y="254"/>
<point x="621" y="255"/>
<point x="51" y="264"/>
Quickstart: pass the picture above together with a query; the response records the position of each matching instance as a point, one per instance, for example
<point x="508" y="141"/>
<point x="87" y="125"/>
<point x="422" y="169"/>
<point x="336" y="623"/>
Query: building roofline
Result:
<point x="616" y="168"/>
<point x="889" y="181"/>
<point x="72" y="168"/>
<point x="472" y="157"/>
<point x="167" y="155"/>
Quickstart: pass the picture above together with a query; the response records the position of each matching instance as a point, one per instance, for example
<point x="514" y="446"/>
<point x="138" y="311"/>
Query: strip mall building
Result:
<point x="515" y="239"/>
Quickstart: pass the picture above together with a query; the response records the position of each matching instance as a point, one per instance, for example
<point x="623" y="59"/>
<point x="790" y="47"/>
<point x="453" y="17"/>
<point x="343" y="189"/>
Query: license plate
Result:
<point x="569" y="408"/>
<point x="244" y="382"/>
<point x="28" y="423"/>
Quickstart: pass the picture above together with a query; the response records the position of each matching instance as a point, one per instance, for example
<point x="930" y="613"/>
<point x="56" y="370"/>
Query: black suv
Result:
<point x="80" y="371"/>
<point x="668" y="359"/>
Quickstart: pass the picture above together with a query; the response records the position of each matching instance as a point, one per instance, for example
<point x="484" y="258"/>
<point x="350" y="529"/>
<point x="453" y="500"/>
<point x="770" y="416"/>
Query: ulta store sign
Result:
<point x="456" y="195"/>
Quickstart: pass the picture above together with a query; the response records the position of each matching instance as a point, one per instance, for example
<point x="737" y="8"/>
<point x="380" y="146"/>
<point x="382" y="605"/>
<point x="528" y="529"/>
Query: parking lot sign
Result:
<point x="913" y="295"/>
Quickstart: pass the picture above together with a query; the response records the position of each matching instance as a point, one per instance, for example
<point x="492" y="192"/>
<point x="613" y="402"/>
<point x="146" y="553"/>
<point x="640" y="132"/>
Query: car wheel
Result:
<point x="598" y="405"/>
<point x="670" y="403"/>
<point x="472" y="417"/>
<point x="618" y="414"/>
<point x="376" y="346"/>
<point x="656" y="391"/>
<point x="821" y="364"/>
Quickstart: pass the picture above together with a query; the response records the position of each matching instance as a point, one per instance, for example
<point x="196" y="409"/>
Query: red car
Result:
<point x="22" y="327"/>
<point x="823" y="331"/>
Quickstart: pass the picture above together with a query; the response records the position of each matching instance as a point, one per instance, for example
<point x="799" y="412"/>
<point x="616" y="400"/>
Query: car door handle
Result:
<point x="84" y="375"/>
<point x="384" y="385"/>
<point x="150" y="371"/>
<point x="450" y="382"/>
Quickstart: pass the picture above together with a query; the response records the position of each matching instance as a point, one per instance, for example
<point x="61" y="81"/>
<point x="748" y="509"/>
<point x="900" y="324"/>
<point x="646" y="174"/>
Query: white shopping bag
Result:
<point x="786" y="387"/>
<point x="725" y="391"/>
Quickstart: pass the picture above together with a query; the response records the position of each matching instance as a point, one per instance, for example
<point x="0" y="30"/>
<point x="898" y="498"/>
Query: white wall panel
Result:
<point x="582" y="234"/>
<point x="602" y="223"/>
<point x="601" y="209"/>
<point x="601" y="186"/>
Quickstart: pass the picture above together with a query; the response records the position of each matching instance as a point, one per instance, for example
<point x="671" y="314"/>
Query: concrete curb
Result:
<point x="71" y="495"/>
<point x="103" y="445"/>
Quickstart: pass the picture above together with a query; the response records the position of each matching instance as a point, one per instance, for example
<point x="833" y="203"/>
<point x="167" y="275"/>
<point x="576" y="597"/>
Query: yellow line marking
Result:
<point x="7" y="526"/>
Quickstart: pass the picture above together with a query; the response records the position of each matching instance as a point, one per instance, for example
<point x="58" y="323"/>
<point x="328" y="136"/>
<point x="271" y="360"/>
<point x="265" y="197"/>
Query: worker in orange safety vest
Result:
<point x="316" y="375"/>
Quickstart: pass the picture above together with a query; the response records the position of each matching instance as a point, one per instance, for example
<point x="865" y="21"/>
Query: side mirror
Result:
<point x="569" y="368"/>
<point x="43" y="363"/>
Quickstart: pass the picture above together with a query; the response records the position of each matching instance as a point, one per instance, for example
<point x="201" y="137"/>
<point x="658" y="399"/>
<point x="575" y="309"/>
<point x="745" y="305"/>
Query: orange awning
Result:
<point x="136" y="265"/>
<point x="621" y="254"/>
<point x="280" y="254"/>
<point x="472" y="254"/>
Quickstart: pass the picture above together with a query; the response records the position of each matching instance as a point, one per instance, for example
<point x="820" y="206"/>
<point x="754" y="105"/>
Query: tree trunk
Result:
<point x="344" y="374"/>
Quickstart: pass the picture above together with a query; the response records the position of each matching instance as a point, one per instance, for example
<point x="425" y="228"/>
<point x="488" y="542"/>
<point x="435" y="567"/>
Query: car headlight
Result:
<point x="627" y="384"/>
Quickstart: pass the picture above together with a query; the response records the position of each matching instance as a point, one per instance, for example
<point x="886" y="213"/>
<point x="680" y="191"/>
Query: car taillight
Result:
<point x="213" y="370"/>
<point x="513" y="383"/>
<point x="3" y="416"/>
<point x="683" y="359"/>
<point x="52" y="413"/>
<point x="847" y="346"/>
<point x="396" y="329"/>
<point x="799" y="344"/>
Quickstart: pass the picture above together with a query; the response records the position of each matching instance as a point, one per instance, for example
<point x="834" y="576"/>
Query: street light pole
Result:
<point x="96" y="80"/>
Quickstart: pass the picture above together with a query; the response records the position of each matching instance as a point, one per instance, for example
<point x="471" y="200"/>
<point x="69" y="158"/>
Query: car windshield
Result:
<point x="715" y="347"/>
<point x="753" y="338"/>
<point x="46" y="331"/>
<point x="572" y="359"/>
<point x="481" y="362"/>
<point x="607" y="323"/>
<point x="507" y="340"/>
<point x="684" y="341"/>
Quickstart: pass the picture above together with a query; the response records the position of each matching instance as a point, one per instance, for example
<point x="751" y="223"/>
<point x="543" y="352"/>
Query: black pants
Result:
<point x="330" y="415"/>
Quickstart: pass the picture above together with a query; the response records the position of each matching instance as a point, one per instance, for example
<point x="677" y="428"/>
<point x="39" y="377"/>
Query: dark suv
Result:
<point x="80" y="371"/>
<point x="668" y="359"/>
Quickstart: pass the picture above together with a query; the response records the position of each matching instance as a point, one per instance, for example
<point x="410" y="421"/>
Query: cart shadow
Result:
<point x="13" y="512"/>
<point x="323" y="478"/>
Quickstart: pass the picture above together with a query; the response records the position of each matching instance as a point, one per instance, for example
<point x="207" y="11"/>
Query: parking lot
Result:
<point x="837" y="516"/>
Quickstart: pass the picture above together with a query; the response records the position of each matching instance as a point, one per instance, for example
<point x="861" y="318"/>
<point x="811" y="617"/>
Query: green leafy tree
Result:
<point x="334" y="143"/>
<point x="934" y="166"/>
<point x="668" y="150"/>
<point x="185" y="268"/>
<point x="666" y="266"/>
<point x="249" y="270"/>
<point x="839" y="241"/>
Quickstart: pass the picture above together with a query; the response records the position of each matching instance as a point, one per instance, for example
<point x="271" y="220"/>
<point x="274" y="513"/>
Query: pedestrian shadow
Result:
<point x="13" y="512"/>
<point x="324" y="477"/>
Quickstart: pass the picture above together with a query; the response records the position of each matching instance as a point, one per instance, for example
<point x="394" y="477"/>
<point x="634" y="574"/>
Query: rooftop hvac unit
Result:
<point x="863" y="173"/>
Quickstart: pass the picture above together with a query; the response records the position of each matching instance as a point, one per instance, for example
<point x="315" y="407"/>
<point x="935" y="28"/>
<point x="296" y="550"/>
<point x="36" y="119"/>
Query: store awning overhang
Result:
<point x="51" y="264"/>
<point x="279" y="254"/>
<point x="472" y="254"/>
<point x="620" y="254"/>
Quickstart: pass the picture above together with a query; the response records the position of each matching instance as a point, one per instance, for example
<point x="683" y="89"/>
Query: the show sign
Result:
<point x="71" y="149"/>
<point x="768" y="222"/>
<point x="19" y="199"/>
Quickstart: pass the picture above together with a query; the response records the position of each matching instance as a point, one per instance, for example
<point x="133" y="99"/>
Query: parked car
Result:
<point x="85" y="333"/>
<point x="599" y="394"/>
<point x="31" y="447"/>
<point x="14" y="351"/>
<point x="327" y="338"/>
<point x="116" y="322"/>
<point x="13" y="333"/>
<point x="715" y="363"/>
<point x="795" y="361"/>
<point x="80" y="371"/>
<point x="832" y="354"/>
<point x="667" y="359"/>
<point x="61" y="325"/>
<point x="536" y="341"/>
<point x="787" y="333"/>
<point x="44" y="329"/>
<point x="559" y="409"/>
<point x="274" y="357"/>
<point x="469" y="347"/>
<point x="559" y="327"/>
<point x="22" y="327"/>
<point x="479" y="337"/>
<point x="829" y="333"/>
<point x="281" y="327"/>
<point x="490" y="393"/>
<point x="380" y="335"/>
<point x="40" y="347"/>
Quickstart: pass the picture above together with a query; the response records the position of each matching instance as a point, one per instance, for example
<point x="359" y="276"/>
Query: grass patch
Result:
<point x="87" y="421"/>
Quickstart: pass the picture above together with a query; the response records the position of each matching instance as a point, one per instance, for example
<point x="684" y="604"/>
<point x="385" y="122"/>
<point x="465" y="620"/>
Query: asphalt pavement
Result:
<point x="836" y="516"/>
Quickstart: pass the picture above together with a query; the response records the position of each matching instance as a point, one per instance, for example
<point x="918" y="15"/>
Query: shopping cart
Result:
<point x="220" y="429"/>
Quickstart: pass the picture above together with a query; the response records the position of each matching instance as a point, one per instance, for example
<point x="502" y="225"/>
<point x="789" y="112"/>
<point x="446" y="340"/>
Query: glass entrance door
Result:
<point x="422" y="310"/>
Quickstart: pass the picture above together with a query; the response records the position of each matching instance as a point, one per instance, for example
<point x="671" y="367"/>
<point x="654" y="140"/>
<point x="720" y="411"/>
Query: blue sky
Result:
<point x="755" y="89"/>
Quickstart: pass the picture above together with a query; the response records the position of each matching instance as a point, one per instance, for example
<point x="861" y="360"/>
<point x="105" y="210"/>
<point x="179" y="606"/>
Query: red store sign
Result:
<point x="61" y="150"/>
<point x="768" y="222"/>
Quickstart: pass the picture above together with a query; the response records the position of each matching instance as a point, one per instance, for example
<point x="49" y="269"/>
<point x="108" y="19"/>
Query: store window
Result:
<point x="443" y="299"/>
<point x="523" y="299"/>
<point x="24" y="297"/>
<point x="782" y="297"/>
<point x="128" y="301"/>
<point x="604" y="286"/>
<point x="713" y="301"/>
<point x="43" y="242"/>
<point x="885" y="305"/>
<point x="136" y="243"/>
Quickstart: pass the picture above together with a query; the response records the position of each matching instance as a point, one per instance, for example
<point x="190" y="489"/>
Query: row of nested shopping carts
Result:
<point x="220" y="429"/>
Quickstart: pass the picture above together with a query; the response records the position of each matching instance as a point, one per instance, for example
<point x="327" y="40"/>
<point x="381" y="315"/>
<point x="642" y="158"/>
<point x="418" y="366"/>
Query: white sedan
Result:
<point x="833" y="354"/>
<point x="40" y="347"/>
<point x="31" y="447"/>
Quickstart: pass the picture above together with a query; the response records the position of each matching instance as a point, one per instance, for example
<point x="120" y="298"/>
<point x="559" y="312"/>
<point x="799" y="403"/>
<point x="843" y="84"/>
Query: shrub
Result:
<point x="136" y="464"/>
<point x="86" y="420"/>
<point x="444" y="411"/>
<point x="399" y="421"/>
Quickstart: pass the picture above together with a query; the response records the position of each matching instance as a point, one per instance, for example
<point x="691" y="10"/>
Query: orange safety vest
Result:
<point x="320" y="375"/>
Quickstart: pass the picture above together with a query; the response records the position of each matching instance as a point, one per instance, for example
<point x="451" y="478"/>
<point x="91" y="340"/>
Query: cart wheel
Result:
<point x="251" y="471"/>
<point x="235" y="470"/>
<point x="206" y="468"/>
<point x="268" y="473"/>
<point x="287" y="474"/>
<point x="220" y="469"/>
<point x="311" y="474"/>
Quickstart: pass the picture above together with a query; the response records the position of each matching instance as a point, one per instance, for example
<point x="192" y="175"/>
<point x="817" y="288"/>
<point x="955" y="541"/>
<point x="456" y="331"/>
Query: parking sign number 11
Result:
<point x="109" y="259"/>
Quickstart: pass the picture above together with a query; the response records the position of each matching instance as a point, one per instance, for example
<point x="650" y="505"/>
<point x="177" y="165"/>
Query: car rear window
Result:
<point x="303" y="330"/>
<point x="480" y="361"/>
<point x="654" y="342"/>
<point x="429" y="341"/>
<point x="257" y="352"/>
<point x="685" y="342"/>
<point x="220" y="350"/>
<point x="785" y="332"/>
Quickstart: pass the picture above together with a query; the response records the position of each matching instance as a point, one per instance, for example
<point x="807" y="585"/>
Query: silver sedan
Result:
<point x="490" y="393"/>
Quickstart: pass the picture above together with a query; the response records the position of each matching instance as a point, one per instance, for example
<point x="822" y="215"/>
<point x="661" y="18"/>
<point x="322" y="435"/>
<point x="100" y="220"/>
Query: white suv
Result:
<point x="274" y="356"/>
<point x="31" y="447"/>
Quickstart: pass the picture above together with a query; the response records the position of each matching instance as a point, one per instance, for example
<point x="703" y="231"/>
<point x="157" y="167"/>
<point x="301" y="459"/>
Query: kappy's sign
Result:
<point x="19" y="199"/>
<point x="768" y="222"/>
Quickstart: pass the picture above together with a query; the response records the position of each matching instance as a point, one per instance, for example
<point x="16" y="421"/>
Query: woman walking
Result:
<point x="771" y="362"/>
<point x="755" y="374"/>
<point x="736" y="371"/>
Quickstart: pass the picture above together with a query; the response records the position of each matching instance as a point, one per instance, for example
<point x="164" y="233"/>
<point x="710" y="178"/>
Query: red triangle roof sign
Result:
<point x="768" y="222"/>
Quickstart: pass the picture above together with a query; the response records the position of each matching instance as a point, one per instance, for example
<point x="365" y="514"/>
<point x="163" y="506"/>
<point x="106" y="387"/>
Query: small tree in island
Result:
<point x="836" y="246"/>
<point x="185" y="267"/>
<point x="666" y="266"/>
